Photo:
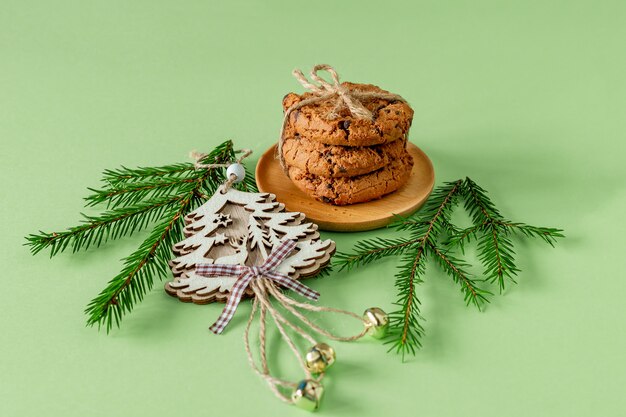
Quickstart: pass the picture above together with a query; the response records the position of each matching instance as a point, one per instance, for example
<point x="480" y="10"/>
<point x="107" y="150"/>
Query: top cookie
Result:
<point x="392" y="120"/>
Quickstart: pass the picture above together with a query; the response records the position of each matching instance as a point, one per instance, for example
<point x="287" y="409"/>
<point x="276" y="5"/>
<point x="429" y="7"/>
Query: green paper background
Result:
<point x="528" y="98"/>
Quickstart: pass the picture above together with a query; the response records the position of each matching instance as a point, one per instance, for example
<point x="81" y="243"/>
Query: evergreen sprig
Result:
<point x="135" y="199"/>
<point x="137" y="277"/>
<point x="431" y="234"/>
<point x="111" y="224"/>
<point x="493" y="235"/>
<point x="124" y="174"/>
<point x="127" y="193"/>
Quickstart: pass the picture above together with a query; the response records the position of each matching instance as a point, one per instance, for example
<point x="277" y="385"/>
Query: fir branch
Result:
<point x="547" y="234"/>
<point x="140" y="197"/>
<point x="462" y="237"/>
<point x="150" y="183"/>
<point x="126" y="186"/>
<point x="137" y="204"/>
<point x="405" y="328"/>
<point x="116" y="177"/>
<point x="495" y="249"/>
<point x="249" y="183"/>
<point x="131" y="193"/>
<point x="457" y="269"/>
<point x="371" y="250"/>
<point x="434" y="218"/>
<point x="477" y="204"/>
<point x="99" y="229"/>
<point x="431" y="234"/>
<point x="152" y="258"/>
<point x="137" y="277"/>
<point x="491" y="231"/>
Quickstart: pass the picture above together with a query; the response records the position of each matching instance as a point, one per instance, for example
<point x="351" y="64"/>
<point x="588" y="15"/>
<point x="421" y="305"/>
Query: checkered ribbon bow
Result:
<point x="245" y="274"/>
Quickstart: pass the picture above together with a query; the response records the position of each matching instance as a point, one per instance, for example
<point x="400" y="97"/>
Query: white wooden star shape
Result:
<point x="220" y="239"/>
<point x="222" y="220"/>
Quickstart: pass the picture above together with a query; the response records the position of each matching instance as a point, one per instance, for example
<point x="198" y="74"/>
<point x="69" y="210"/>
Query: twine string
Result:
<point x="262" y="334"/>
<point x="265" y="284"/>
<point x="264" y="289"/>
<point x="272" y="382"/>
<point x="323" y="90"/>
<point x="289" y="304"/>
<point x="197" y="157"/>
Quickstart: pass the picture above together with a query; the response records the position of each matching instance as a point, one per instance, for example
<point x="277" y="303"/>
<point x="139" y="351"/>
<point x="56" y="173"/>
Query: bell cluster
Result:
<point x="308" y="393"/>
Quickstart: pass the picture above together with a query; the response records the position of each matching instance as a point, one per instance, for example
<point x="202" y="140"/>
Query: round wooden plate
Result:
<point x="270" y="178"/>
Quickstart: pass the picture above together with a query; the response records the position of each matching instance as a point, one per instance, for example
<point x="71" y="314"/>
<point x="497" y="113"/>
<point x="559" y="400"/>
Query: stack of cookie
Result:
<point x="347" y="160"/>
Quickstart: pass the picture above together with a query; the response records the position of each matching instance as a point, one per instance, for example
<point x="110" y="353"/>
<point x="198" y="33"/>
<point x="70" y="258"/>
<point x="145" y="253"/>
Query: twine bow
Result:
<point x="344" y="97"/>
<point x="246" y="274"/>
<point x="324" y="90"/>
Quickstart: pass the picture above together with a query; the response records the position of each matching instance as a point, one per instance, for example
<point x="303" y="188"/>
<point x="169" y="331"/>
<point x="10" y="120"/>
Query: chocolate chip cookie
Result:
<point x="339" y="161"/>
<point x="350" y="190"/>
<point x="392" y="120"/>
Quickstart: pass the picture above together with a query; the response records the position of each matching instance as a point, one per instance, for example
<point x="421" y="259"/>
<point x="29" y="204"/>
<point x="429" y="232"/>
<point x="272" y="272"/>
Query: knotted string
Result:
<point x="263" y="281"/>
<point x="264" y="290"/>
<point x="344" y="98"/>
<point x="199" y="156"/>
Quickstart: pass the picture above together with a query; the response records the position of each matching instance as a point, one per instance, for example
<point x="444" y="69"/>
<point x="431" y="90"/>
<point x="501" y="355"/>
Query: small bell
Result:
<point x="319" y="357"/>
<point x="308" y="394"/>
<point x="377" y="322"/>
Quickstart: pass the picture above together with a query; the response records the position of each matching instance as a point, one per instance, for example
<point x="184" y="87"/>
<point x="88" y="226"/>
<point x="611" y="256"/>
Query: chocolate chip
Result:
<point x="344" y="124"/>
<point x="342" y="169"/>
<point x="327" y="200"/>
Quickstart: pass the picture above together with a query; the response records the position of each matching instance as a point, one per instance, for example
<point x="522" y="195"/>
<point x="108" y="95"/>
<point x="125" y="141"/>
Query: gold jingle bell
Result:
<point x="376" y="321"/>
<point x="319" y="358"/>
<point x="307" y="394"/>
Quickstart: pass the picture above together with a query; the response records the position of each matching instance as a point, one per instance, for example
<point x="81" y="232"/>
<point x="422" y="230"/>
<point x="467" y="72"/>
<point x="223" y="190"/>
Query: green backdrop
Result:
<point x="526" y="97"/>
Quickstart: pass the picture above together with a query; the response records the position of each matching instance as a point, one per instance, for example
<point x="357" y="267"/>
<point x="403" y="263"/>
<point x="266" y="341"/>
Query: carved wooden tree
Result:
<point x="242" y="228"/>
<point x="258" y="236"/>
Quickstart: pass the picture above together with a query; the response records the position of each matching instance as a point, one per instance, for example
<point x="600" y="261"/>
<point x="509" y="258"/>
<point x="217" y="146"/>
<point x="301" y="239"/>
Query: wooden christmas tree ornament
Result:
<point x="241" y="228"/>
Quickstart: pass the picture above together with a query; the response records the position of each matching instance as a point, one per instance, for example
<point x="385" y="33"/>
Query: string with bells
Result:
<point x="307" y="393"/>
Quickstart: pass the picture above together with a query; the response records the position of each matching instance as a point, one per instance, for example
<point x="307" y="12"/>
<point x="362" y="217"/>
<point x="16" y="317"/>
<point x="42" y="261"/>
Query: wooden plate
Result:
<point x="270" y="178"/>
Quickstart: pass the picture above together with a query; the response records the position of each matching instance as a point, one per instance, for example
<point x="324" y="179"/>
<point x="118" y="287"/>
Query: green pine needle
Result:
<point x="458" y="270"/>
<point x="117" y="177"/>
<point x="137" y="277"/>
<point x="371" y="250"/>
<point x="405" y="328"/>
<point x="432" y="235"/>
<point x="109" y="225"/>
<point x="138" y="198"/>
<point x="492" y="234"/>
<point x="424" y="231"/>
<point x="133" y="192"/>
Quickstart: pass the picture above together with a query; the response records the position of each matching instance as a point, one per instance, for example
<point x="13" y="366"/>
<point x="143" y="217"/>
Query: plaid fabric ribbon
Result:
<point x="245" y="274"/>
